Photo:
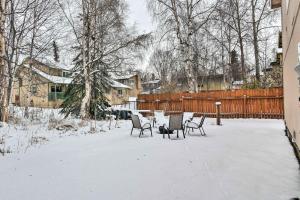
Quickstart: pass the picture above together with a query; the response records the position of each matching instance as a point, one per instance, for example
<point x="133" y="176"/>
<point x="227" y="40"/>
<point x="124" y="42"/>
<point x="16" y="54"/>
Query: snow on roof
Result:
<point x="122" y="77"/>
<point x="151" y="82"/>
<point x="51" y="78"/>
<point x="116" y="84"/>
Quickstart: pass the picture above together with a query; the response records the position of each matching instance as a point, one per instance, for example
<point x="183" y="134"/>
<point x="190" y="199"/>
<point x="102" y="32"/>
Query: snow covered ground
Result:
<point x="243" y="159"/>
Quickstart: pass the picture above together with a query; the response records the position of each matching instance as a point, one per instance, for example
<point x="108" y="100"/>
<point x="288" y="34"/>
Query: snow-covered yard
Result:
<point x="243" y="159"/>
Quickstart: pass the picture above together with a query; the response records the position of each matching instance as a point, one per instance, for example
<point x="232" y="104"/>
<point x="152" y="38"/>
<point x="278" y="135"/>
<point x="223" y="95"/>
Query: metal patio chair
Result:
<point x="136" y="124"/>
<point x="175" y="124"/>
<point x="193" y="125"/>
<point x="187" y="117"/>
<point x="159" y="118"/>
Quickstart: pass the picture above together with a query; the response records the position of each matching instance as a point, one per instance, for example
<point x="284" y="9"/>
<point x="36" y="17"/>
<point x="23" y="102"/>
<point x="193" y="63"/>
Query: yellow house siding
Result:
<point x="23" y="86"/>
<point x="291" y="38"/>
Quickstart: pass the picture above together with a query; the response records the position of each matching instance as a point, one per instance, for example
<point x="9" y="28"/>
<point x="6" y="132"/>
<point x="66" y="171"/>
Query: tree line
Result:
<point x="193" y="37"/>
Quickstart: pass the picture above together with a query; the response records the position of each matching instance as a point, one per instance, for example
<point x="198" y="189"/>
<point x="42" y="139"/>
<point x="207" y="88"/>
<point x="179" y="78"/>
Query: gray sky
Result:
<point x="139" y="15"/>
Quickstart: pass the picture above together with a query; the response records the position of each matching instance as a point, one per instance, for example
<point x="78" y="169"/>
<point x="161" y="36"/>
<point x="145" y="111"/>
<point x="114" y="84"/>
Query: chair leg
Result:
<point x="151" y="132"/>
<point x="131" y="131"/>
<point x="177" y="134"/>
<point x="200" y="131"/>
<point x="204" y="134"/>
<point x="141" y="133"/>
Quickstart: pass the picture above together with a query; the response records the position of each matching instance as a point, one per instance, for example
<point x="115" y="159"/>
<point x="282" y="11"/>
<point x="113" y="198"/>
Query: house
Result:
<point x="152" y="86"/>
<point x="208" y="82"/>
<point x="290" y="10"/>
<point x="118" y="93"/>
<point x="212" y="82"/>
<point x="133" y="81"/>
<point x="40" y="85"/>
<point x="273" y="74"/>
<point x="43" y="85"/>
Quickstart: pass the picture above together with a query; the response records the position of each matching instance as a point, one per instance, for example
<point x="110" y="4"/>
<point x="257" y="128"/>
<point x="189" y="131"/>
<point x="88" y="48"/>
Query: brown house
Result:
<point x="290" y="10"/>
<point x="40" y="85"/>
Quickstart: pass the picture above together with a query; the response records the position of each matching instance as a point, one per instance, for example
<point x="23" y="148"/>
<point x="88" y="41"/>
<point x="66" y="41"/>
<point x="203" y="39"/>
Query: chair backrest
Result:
<point x="175" y="122"/>
<point x="136" y="123"/>
<point x="188" y="116"/>
<point x="202" y="121"/>
<point x="159" y="114"/>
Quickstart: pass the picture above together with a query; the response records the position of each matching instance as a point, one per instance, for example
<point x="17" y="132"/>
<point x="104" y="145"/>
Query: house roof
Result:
<point x="122" y="77"/>
<point x="65" y="80"/>
<point x="51" y="78"/>
<point x="116" y="84"/>
<point x="151" y="82"/>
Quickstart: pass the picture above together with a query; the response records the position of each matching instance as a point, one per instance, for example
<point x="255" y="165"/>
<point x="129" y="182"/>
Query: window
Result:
<point x="66" y="74"/>
<point x="33" y="89"/>
<point x="131" y="82"/>
<point x="120" y="92"/>
<point x="56" y="89"/>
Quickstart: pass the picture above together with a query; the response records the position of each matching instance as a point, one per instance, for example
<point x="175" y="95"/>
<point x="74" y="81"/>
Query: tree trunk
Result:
<point x="85" y="104"/>
<point x="241" y="42"/>
<point x="3" y="67"/>
<point x="255" y="42"/>
<point x="86" y="101"/>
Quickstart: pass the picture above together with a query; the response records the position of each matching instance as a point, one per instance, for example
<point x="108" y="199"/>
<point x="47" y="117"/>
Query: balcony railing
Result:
<point x="52" y="96"/>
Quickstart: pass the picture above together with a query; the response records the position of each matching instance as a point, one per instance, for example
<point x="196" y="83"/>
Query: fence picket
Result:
<point x="245" y="103"/>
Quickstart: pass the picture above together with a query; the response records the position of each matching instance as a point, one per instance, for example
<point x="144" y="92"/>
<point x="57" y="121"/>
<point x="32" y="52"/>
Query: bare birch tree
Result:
<point x="261" y="20"/>
<point x="181" y="20"/>
<point x="3" y="66"/>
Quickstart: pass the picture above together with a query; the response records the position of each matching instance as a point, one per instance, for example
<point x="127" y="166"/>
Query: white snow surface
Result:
<point x="240" y="160"/>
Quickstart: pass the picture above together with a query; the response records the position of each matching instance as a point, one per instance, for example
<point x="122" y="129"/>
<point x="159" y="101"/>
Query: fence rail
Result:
<point x="244" y="103"/>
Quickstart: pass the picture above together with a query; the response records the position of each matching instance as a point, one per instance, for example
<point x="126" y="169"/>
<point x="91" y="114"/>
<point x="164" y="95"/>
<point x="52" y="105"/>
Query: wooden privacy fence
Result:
<point x="243" y="103"/>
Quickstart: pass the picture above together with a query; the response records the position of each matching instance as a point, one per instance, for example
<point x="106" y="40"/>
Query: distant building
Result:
<point x="40" y="85"/>
<point x="150" y="87"/>
<point x="118" y="93"/>
<point x="133" y="81"/>
<point x="212" y="82"/>
<point x="291" y="66"/>
<point x="44" y="85"/>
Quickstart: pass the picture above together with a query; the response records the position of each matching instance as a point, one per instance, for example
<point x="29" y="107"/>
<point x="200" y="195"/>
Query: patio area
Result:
<point x="244" y="159"/>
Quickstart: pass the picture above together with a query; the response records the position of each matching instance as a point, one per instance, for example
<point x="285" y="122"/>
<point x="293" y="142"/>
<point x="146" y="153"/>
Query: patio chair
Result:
<point x="187" y="117"/>
<point x="159" y="118"/>
<point x="136" y="124"/>
<point x="193" y="125"/>
<point x="175" y="124"/>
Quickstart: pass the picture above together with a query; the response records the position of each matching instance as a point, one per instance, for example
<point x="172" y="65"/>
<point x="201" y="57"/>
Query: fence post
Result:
<point x="244" y="106"/>
<point x="182" y="105"/>
<point x="218" y="105"/>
